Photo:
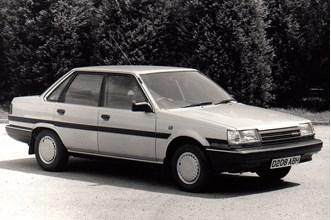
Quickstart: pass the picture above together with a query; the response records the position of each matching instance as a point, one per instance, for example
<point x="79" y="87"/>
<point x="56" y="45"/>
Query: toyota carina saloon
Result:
<point x="164" y="115"/>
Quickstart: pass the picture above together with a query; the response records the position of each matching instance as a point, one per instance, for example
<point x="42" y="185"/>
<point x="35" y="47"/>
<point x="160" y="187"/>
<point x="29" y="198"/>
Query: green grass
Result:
<point x="315" y="117"/>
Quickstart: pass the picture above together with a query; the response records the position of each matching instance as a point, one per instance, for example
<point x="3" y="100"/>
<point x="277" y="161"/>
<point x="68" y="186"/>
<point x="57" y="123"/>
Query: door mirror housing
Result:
<point x="142" y="107"/>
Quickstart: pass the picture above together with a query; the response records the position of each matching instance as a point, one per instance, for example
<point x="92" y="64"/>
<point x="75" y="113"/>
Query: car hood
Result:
<point x="240" y="116"/>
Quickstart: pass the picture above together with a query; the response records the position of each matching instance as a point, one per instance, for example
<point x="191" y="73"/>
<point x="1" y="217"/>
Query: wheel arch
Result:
<point x="34" y="134"/>
<point x="177" y="142"/>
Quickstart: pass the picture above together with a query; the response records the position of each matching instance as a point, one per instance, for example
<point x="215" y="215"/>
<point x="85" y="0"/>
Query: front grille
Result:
<point x="280" y="136"/>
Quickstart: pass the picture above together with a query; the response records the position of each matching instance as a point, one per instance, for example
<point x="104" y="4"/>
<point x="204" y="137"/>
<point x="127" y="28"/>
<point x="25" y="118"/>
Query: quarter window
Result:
<point x="122" y="91"/>
<point x="55" y="95"/>
<point x="84" y="90"/>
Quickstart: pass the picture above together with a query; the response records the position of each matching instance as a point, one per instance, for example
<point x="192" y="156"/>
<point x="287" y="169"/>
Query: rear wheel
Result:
<point x="275" y="174"/>
<point x="189" y="168"/>
<point x="51" y="155"/>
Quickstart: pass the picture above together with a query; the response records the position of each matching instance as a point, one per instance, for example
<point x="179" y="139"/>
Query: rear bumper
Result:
<point x="258" y="159"/>
<point x="19" y="133"/>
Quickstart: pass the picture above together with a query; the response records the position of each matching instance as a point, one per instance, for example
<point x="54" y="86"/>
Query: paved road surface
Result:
<point x="92" y="189"/>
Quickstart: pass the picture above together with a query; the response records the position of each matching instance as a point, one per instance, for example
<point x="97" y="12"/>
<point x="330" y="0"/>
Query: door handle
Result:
<point x="105" y="117"/>
<point x="60" y="111"/>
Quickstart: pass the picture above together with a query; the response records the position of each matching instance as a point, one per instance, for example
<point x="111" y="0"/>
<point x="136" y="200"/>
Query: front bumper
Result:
<point x="254" y="159"/>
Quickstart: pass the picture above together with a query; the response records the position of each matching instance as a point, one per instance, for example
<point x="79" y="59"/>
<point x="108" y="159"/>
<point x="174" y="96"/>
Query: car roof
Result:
<point x="133" y="69"/>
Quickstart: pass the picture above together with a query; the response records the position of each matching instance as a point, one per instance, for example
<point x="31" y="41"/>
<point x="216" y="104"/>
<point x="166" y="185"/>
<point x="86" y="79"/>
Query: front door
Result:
<point x="122" y="132"/>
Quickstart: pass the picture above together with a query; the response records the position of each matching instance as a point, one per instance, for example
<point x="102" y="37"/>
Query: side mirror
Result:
<point x="141" y="107"/>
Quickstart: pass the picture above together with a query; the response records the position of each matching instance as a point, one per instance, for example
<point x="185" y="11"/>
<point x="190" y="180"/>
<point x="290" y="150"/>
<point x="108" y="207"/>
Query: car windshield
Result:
<point x="184" y="89"/>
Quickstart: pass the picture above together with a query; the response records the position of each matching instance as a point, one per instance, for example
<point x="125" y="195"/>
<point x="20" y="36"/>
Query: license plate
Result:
<point x="285" y="162"/>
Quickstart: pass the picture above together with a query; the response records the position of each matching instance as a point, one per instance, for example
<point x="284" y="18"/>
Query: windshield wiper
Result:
<point x="198" y="104"/>
<point x="224" y="101"/>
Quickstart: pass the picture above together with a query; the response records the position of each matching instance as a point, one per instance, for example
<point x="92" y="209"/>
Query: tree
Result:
<point x="300" y="37"/>
<point x="262" y="52"/>
<point x="134" y="32"/>
<point x="227" y="41"/>
<point x="46" y="38"/>
<point x="27" y="27"/>
<point x="314" y="19"/>
<point x="3" y="72"/>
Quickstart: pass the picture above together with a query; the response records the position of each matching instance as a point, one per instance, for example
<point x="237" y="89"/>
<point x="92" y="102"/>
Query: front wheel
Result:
<point x="190" y="168"/>
<point x="51" y="155"/>
<point x="275" y="174"/>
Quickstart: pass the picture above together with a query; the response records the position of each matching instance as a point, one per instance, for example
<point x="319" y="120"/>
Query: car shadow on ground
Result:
<point x="147" y="177"/>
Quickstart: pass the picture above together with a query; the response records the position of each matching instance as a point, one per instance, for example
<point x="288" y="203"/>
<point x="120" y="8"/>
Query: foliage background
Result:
<point x="267" y="53"/>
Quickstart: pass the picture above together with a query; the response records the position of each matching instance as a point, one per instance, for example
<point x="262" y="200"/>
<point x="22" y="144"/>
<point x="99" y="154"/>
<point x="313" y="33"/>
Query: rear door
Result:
<point x="75" y="116"/>
<point x="122" y="132"/>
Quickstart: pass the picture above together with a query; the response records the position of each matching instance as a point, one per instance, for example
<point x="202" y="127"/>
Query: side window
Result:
<point x="84" y="90"/>
<point x="122" y="91"/>
<point x="55" y="95"/>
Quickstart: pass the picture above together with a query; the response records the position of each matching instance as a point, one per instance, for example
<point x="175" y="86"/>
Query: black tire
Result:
<point x="275" y="174"/>
<point x="51" y="155"/>
<point x="189" y="168"/>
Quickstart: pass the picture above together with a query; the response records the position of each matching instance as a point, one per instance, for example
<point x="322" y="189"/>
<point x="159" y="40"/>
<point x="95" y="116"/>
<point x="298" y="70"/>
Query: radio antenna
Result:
<point x="119" y="47"/>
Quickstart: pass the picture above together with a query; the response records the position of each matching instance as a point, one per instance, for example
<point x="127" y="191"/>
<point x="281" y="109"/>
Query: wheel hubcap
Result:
<point x="47" y="150"/>
<point x="188" y="168"/>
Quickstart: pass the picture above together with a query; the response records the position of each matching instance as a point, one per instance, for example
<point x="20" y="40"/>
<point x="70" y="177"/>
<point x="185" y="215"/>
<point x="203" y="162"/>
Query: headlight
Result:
<point x="243" y="137"/>
<point x="306" y="129"/>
